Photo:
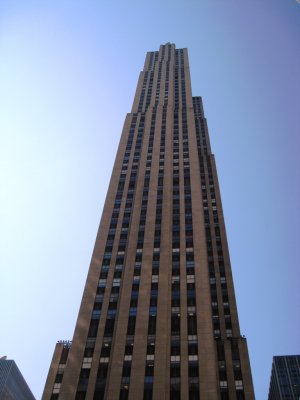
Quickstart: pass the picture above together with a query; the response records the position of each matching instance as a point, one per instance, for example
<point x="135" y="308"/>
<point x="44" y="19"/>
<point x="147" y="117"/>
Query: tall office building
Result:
<point x="12" y="383"/>
<point x="158" y="318"/>
<point x="285" y="378"/>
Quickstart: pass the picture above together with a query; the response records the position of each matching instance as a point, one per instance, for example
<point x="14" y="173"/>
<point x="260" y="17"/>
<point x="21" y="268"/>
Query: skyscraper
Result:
<point x="285" y="378"/>
<point x="12" y="383"/>
<point x="158" y="318"/>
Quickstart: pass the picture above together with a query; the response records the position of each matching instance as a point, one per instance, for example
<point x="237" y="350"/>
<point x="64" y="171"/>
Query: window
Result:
<point x="153" y="311"/>
<point x="190" y="278"/>
<point x="152" y="325"/>
<point x="193" y="369"/>
<point x="93" y="328"/>
<point x="239" y="385"/>
<point x="175" y="324"/>
<point x="56" y="388"/>
<point x="192" y="324"/>
<point x="102" y="283"/>
<point x="149" y="370"/>
<point x="109" y="327"/>
<point x="132" y="311"/>
<point x="175" y="370"/>
<point x="126" y="369"/>
<point x="229" y="332"/>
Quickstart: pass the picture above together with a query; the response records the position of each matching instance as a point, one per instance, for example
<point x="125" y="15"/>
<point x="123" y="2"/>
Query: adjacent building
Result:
<point x="158" y="318"/>
<point x="285" y="378"/>
<point x="12" y="384"/>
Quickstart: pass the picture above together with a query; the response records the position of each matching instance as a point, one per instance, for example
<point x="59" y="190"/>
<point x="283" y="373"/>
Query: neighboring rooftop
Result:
<point x="285" y="378"/>
<point x="12" y="383"/>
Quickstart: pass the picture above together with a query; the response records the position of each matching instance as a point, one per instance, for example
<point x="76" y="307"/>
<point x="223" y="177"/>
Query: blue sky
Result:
<point x="68" y="72"/>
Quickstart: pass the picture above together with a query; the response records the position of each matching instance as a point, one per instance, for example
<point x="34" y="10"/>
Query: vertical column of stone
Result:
<point x="162" y="353"/>
<point x="206" y="350"/>
<point x="53" y="371"/>
<point x="140" y="341"/>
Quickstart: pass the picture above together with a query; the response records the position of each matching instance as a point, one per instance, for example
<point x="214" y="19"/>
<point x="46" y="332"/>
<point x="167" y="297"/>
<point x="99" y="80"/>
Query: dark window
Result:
<point x="175" y="370"/>
<point x="80" y="395"/>
<point x="126" y="369"/>
<point x="93" y="328"/>
<point x="99" y="394"/>
<point x="194" y="392"/>
<point x="124" y="393"/>
<point x="105" y="351"/>
<point x="149" y="370"/>
<point x="109" y="327"/>
<point x="147" y="394"/>
<point x="58" y="378"/>
<point x="193" y="370"/>
<point x="175" y="393"/>
<point x="131" y="325"/>
<point x="152" y="325"/>
<point x="175" y="324"/>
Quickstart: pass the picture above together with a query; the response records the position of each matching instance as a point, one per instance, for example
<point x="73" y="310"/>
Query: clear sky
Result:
<point x="68" y="72"/>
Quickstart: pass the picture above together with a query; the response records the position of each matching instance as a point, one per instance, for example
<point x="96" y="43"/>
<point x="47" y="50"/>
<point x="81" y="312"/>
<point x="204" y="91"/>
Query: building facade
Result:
<point x="12" y="383"/>
<point x="285" y="378"/>
<point x="158" y="318"/>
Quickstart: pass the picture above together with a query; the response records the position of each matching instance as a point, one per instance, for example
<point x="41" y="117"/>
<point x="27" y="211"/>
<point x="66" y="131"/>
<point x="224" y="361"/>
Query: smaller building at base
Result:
<point x="285" y="378"/>
<point x="12" y="384"/>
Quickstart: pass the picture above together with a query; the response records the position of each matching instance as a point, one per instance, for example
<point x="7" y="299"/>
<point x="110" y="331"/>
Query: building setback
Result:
<point x="285" y="378"/>
<point x="158" y="318"/>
